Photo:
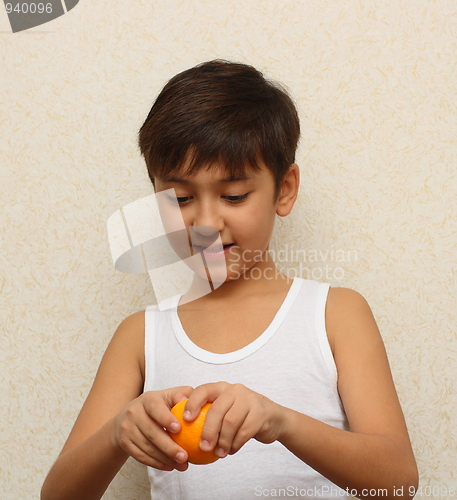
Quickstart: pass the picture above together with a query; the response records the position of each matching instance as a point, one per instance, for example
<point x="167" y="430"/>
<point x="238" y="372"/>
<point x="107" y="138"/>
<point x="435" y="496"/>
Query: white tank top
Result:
<point x="291" y="363"/>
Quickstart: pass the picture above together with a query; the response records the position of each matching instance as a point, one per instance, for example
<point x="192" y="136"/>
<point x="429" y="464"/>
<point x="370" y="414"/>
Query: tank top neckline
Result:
<point x="231" y="357"/>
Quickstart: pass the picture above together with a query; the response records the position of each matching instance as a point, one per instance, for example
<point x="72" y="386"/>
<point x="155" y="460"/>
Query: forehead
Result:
<point x="214" y="175"/>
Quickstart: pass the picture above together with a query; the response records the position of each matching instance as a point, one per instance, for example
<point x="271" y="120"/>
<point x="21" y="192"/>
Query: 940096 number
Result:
<point x="433" y="491"/>
<point x="29" y="8"/>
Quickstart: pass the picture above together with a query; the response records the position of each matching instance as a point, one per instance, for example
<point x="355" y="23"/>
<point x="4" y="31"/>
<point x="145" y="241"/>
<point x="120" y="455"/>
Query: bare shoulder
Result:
<point x="365" y="382"/>
<point x="129" y="338"/>
<point x="347" y="313"/>
<point x="133" y="323"/>
<point x="118" y="381"/>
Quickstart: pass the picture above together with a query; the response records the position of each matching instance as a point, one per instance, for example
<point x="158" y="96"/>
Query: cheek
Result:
<point x="257" y="223"/>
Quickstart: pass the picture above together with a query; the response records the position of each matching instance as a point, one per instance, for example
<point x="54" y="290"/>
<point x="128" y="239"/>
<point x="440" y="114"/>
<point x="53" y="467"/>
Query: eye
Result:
<point x="236" y="199"/>
<point x="180" y="201"/>
<point x="231" y="199"/>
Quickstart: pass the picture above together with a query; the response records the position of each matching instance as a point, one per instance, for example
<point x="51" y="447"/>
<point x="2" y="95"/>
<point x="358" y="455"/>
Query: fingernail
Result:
<point x="220" y="453"/>
<point x="174" y="427"/>
<point x="187" y="415"/>
<point x="204" y="445"/>
<point x="180" y="456"/>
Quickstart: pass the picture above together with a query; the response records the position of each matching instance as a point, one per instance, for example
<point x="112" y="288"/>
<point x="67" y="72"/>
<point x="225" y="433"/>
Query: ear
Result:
<point x="289" y="191"/>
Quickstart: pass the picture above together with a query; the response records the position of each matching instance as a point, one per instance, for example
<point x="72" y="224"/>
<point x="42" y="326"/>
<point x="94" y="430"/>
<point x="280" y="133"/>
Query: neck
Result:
<point x="263" y="277"/>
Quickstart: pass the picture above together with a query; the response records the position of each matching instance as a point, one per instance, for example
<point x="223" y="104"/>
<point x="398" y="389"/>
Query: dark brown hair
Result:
<point x="220" y="112"/>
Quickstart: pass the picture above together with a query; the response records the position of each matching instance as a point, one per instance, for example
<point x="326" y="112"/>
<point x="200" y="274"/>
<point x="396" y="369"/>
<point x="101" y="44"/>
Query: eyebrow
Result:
<point x="226" y="180"/>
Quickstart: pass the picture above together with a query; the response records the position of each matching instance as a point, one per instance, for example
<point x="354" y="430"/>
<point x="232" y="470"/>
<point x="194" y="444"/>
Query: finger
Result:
<point x="146" y="459"/>
<point x="245" y="432"/>
<point x="158" y="444"/>
<point x="135" y="443"/>
<point x="170" y="451"/>
<point x="233" y="425"/>
<point x="154" y="458"/>
<point x="153" y="427"/>
<point x="158" y="411"/>
<point x="215" y="421"/>
<point x="179" y="394"/>
<point x="206" y="393"/>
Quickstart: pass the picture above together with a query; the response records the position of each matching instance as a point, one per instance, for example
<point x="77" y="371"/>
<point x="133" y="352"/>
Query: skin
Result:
<point x="248" y="223"/>
<point x="118" y="420"/>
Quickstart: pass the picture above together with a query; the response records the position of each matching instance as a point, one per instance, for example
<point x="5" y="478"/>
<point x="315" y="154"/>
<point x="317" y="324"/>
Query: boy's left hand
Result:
<point x="236" y="415"/>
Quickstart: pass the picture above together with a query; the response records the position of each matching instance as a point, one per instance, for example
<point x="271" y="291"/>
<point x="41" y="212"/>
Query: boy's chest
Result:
<point x="231" y="328"/>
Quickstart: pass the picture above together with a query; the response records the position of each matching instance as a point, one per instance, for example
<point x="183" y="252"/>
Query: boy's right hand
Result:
<point x="140" y="429"/>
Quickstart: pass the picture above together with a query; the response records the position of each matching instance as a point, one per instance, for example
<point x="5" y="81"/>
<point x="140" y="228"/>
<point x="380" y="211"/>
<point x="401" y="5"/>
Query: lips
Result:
<point x="213" y="253"/>
<point x="215" y="248"/>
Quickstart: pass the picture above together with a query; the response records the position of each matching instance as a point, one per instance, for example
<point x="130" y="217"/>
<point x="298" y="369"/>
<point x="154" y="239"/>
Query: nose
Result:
<point x="207" y="219"/>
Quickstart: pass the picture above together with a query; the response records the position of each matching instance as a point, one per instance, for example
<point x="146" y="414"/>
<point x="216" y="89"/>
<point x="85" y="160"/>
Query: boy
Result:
<point x="303" y="399"/>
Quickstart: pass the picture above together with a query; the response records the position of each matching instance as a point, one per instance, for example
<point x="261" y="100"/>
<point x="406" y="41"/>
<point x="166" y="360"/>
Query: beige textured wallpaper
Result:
<point x="375" y="83"/>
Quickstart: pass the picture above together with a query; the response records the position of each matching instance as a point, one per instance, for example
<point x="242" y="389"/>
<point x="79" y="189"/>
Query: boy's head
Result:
<point x="220" y="113"/>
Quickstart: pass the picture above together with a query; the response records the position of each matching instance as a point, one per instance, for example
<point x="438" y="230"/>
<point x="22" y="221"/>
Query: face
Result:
<point x="240" y="211"/>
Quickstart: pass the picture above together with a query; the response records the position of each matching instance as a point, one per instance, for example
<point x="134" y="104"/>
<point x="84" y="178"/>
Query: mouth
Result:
<point x="216" y="248"/>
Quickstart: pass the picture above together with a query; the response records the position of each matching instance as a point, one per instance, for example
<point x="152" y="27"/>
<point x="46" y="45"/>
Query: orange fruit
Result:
<point x="190" y="434"/>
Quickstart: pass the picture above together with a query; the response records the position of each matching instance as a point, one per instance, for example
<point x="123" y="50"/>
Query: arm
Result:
<point x="376" y="453"/>
<point x="111" y="420"/>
